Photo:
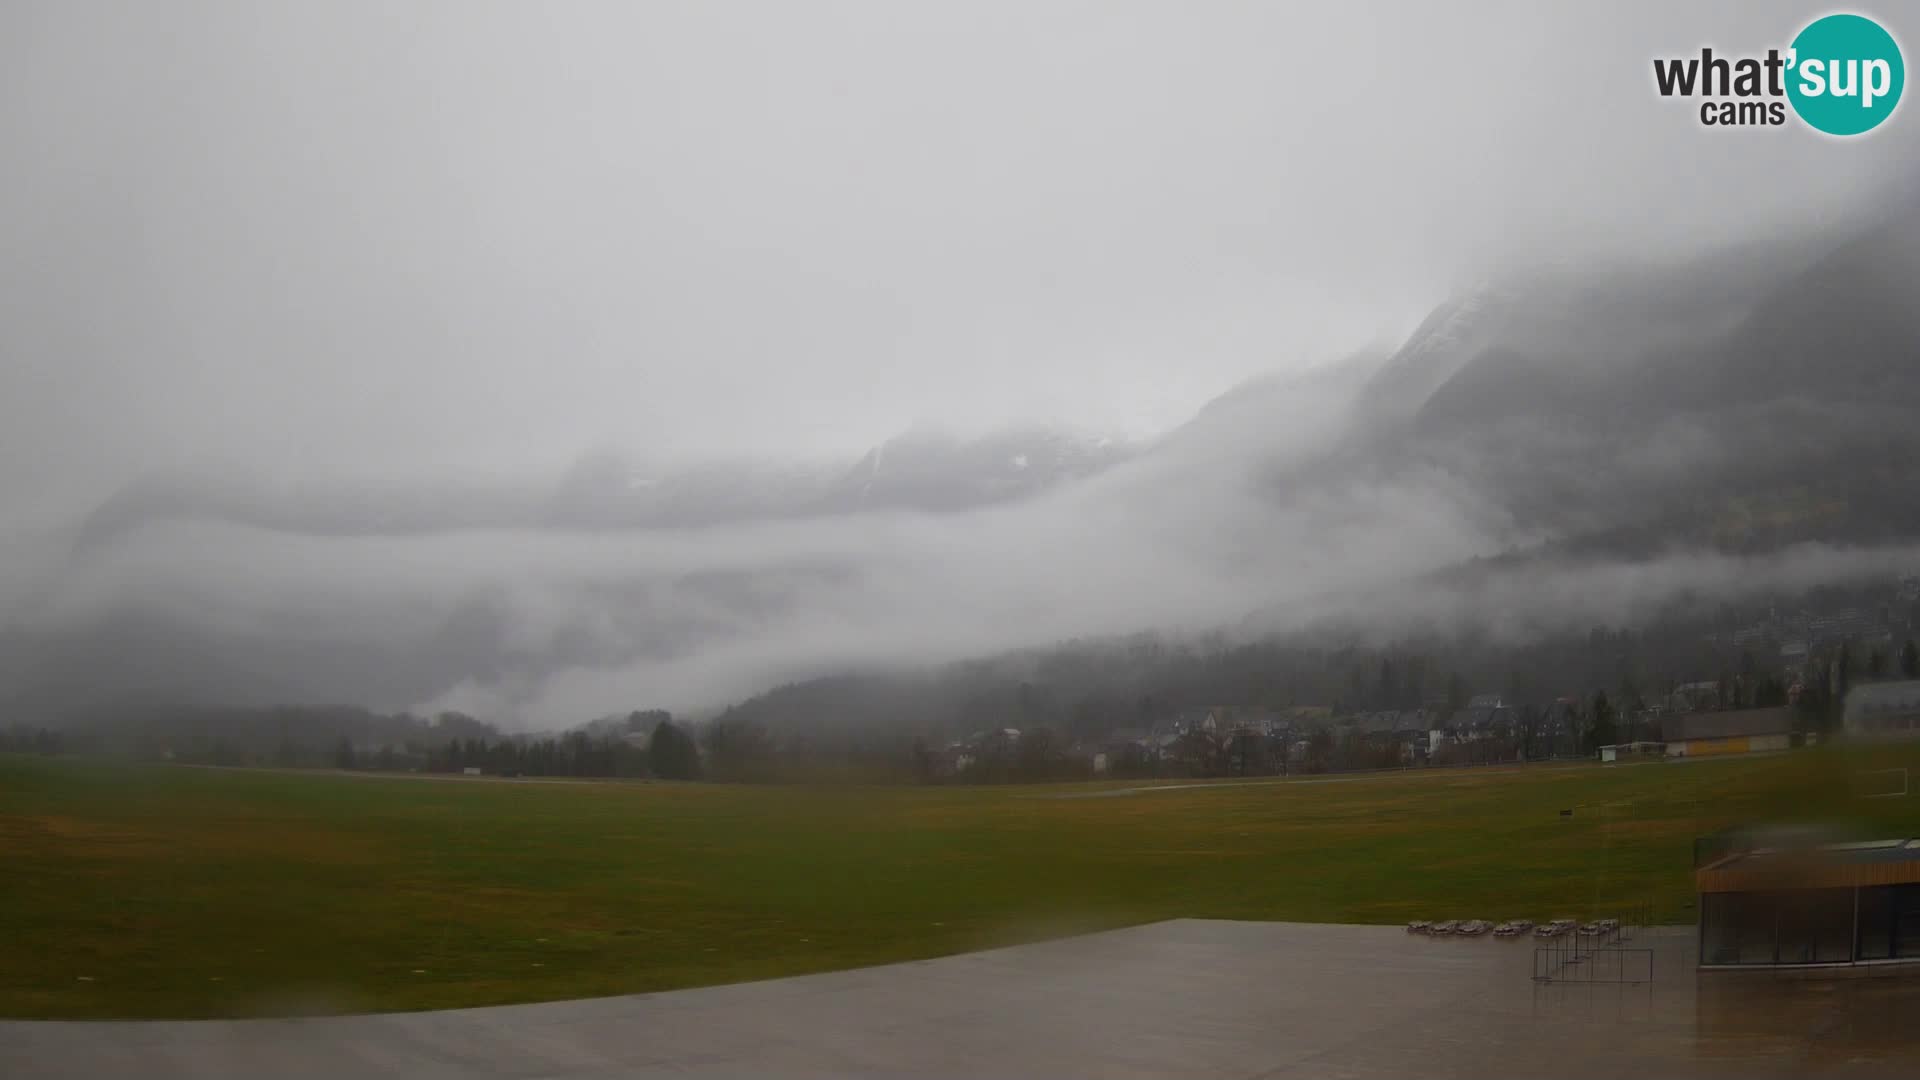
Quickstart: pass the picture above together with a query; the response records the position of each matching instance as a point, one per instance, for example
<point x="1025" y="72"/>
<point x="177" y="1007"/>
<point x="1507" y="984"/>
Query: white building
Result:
<point x="1884" y="710"/>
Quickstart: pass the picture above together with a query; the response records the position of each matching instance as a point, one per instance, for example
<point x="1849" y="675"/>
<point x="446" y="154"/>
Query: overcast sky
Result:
<point x="471" y="236"/>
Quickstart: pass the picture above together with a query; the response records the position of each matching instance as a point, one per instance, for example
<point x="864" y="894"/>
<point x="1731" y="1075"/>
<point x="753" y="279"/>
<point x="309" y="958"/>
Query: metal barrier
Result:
<point x="1635" y="918"/>
<point x="1599" y="955"/>
<point x="1608" y="964"/>
<point x="1558" y="955"/>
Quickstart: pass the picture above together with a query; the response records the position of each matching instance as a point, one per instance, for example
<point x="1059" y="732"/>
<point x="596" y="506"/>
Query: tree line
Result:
<point x="645" y="744"/>
<point x="1064" y="702"/>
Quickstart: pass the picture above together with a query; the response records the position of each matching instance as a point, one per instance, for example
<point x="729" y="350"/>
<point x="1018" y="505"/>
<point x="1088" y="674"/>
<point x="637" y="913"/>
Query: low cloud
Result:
<point x="537" y="627"/>
<point x="544" y="627"/>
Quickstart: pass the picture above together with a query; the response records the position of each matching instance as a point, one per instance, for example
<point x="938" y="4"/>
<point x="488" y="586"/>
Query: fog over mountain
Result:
<point x="1567" y="421"/>
<point x="660" y="413"/>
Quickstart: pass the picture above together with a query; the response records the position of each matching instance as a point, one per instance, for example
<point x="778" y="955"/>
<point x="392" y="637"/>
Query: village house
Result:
<point x="1694" y="696"/>
<point x="1485" y="717"/>
<point x="1403" y="734"/>
<point x="1884" y="710"/>
<point x="1555" y="731"/>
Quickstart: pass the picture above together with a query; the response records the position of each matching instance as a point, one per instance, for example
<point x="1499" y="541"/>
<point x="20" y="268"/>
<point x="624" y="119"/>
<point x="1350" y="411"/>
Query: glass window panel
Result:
<point x="1755" y="921"/>
<point x="1816" y="926"/>
<point x="1876" y="923"/>
<point x="1833" y="926"/>
<point x="1718" y="945"/>
<point x="1906" y="920"/>
<point x="1796" y="928"/>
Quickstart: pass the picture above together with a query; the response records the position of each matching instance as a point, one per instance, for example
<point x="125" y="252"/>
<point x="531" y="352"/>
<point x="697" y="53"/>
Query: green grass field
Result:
<point x="159" y="891"/>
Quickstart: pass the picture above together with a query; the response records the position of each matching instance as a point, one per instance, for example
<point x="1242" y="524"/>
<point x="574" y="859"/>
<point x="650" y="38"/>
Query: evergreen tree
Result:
<point x="738" y="750"/>
<point x="1601" y="730"/>
<point x="672" y="753"/>
<point x="1842" y="680"/>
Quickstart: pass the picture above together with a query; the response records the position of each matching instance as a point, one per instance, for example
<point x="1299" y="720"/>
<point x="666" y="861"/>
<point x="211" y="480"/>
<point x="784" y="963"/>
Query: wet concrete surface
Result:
<point x="1174" y="999"/>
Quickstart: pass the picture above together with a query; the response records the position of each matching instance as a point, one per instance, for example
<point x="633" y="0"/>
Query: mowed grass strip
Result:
<point x="155" y="891"/>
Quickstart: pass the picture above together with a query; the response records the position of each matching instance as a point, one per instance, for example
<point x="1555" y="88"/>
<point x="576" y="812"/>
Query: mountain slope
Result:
<point x="606" y="491"/>
<point x="1645" y="402"/>
<point x="1740" y="401"/>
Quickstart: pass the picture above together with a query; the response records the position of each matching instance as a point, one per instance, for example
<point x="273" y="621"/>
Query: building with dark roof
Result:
<point x="1554" y="730"/>
<point x="1688" y="697"/>
<point x="1737" y="731"/>
<point x="1884" y="710"/>
<point x="1789" y="904"/>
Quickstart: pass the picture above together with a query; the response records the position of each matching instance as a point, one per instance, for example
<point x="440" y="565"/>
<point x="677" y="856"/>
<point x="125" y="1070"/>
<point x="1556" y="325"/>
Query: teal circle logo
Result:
<point x="1846" y="74"/>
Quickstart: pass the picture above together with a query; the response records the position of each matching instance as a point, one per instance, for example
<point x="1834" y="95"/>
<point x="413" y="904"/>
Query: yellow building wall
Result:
<point x="1710" y="747"/>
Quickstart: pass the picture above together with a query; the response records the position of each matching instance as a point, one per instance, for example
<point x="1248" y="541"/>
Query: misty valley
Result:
<point x="1040" y="539"/>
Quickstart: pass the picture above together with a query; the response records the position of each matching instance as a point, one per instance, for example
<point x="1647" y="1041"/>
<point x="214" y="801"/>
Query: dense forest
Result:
<point x="1082" y="690"/>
